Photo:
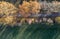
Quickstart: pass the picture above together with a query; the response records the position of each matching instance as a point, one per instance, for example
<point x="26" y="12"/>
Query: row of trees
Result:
<point x="9" y="13"/>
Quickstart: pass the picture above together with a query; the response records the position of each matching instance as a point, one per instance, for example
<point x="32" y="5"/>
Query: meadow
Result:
<point x="33" y="31"/>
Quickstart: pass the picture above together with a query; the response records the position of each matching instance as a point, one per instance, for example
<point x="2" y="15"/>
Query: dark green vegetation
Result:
<point x="33" y="31"/>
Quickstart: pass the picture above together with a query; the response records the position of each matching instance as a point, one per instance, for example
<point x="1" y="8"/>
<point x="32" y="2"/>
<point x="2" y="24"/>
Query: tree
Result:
<point x="8" y="11"/>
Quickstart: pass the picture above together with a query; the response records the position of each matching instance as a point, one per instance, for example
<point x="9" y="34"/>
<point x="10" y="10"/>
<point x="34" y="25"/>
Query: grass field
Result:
<point x="33" y="31"/>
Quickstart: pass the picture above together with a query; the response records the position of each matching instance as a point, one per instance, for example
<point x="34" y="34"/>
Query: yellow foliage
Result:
<point x="57" y="19"/>
<point x="9" y="19"/>
<point x="6" y="9"/>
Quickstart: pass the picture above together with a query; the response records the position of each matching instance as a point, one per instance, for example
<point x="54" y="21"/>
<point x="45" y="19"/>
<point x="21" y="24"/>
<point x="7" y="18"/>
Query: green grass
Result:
<point x="33" y="31"/>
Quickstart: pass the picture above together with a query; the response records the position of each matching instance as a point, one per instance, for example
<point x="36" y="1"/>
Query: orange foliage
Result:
<point x="29" y="7"/>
